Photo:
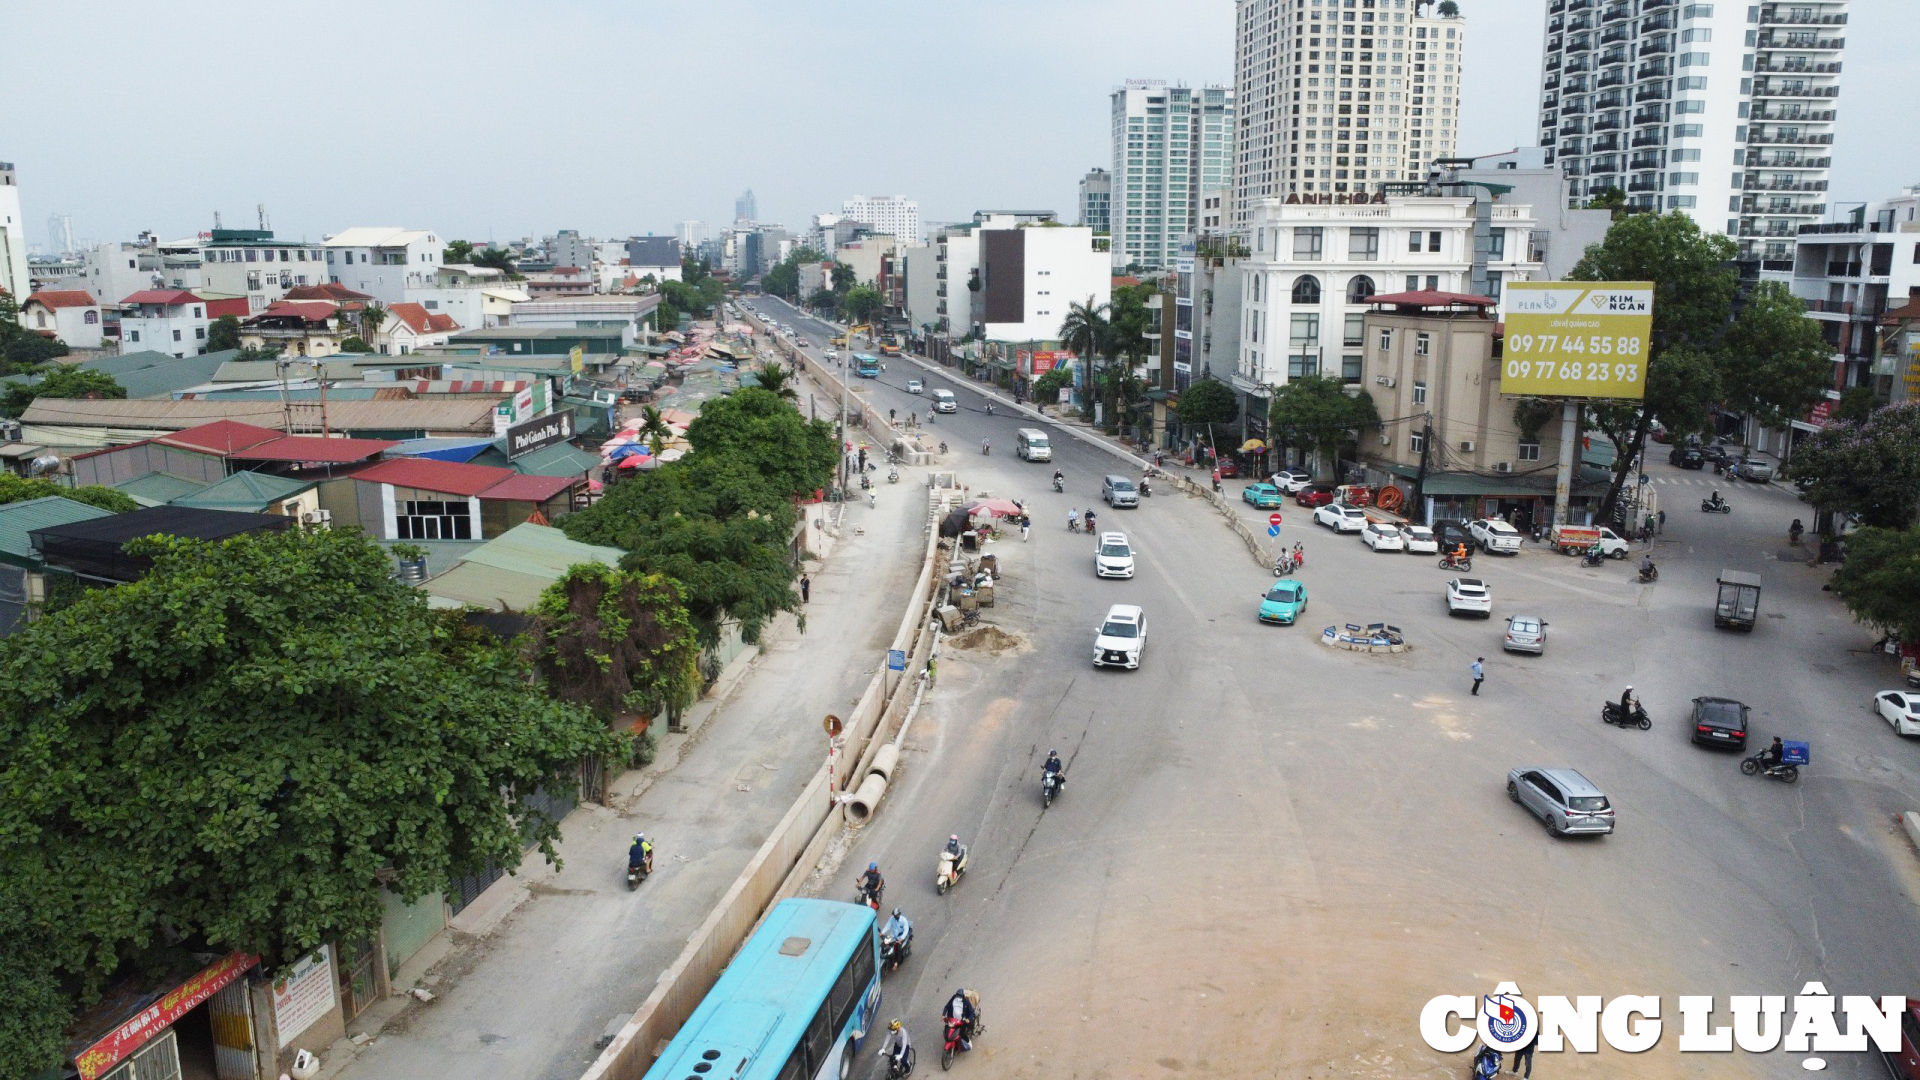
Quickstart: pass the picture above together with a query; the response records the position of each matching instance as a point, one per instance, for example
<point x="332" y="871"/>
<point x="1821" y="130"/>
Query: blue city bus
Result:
<point x="793" y="1005"/>
<point x="866" y="365"/>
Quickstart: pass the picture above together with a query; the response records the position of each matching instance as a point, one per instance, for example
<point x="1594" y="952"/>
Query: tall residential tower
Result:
<point x="1337" y="98"/>
<point x="1722" y="110"/>
<point x="1169" y="142"/>
<point x="891" y="215"/>
<point x="13" y="238"/>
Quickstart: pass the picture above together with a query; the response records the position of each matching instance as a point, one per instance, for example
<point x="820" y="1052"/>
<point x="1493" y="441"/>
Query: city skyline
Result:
<point x="441" y="178"/>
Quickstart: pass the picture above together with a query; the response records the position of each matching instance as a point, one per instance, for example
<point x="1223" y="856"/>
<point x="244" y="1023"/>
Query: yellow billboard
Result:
<point x="1576" y="338"/>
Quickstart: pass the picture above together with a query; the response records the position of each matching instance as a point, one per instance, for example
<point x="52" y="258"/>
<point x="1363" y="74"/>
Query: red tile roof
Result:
<point x="310" y="310"/>
<point x="221" y="437"/>
<point x="412" y="314"/>
<point x="314" y="448"/>
<point x="451" y="477"/>
<point x="328" y="291"/>
<point x="522" y="488"/>
<point x="437" y="323"/>
<point x="163" y="296"/>
<point x="1432" y="298"/>
<point x="59" y="298"/>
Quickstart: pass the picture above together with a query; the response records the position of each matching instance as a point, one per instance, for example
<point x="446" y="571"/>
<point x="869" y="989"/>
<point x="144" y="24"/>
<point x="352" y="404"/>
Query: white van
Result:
<point x="944" y="401"/>
<point x="1031" y="444"/>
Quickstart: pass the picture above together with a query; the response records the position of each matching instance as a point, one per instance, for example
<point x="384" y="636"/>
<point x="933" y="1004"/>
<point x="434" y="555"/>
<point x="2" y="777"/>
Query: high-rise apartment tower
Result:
<point x="1169" y="142"/>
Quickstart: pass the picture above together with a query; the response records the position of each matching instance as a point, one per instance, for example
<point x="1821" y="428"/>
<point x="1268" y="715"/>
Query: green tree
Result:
<point x="457" y="251"/>
<point x="496" y="258"/>
<point x="1208" y="404"/>
<point x="247" y="742"/>
<point x="224" y="334"/>
<point x="822" y="299"/>
<point x="768" y="435"/>
<point x="842" y="278"/>
<point x="782" y="281"/>
<point x="1084" y="333"/>
<point x="1776" y="363"/>
<point x="1611" y="198"/>
<point x="615" y="642"/>
<point x="666" y="317"/>
<point x="860" y="304"/>
<point x="1880" y="580"/>
<point x="1129" y="320"/>
<point x="355" y="344"/>
<point x="1531" y="415"/>
<point x="655" y="429"/>
<point x="26" y="351"/>
<point x="1856" y="404"/>
<point x="778" y="381"/>
<point x="1047" y="387"/>
<point x="1448" y="9"/>
<point x="1315" y="411"/>
<point x="372" y="318"/>
<point x="692" y="299"/>
<point x="15" y="488"/>
<point x="60" y="382"/>
<point x="1870" y="468"/>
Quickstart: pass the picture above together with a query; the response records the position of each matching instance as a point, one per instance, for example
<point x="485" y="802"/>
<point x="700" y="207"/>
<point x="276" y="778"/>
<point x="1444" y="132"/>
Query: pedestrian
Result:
<point x="1026" y="523"/>
<point x="1660" y="522"/>
<point x="863" y="459"/>
<point x="806" y="589"/>
<point x="1650" y="523"/>
<point x="1479" y="674"/>
<point x="891" y="417"/>
<point x="1526" y="1052"/>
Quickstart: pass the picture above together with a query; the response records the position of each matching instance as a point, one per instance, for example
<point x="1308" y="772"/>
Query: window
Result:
<point x="1683" y="179"/>
<point x="1386" y="335"/>
<point x="1350" y="365"/>
<point x="1682" y="202"/>
<point x="1422" y="343"/>
<point x="1360" y="290"/>
<point x="1494" y="279"/>
<point x="433" y="520"/>
<point x="1529" y="451"/>
<point x="1301" y="365"/>
<point x="252" y="256"/>
<point x="1417" y="443"/>
<point x="1356" y="331"/>
<point x="1306" y="330"/>
<point x="1413" y="282"/>
<point x="1306" y="290"/>
<point x="1497" y="244"/>
<point x="1433" y="241"/>
<point x="91" y="317"/>
<point x="176" y="335"/>
<point x="1413" y="240"/>
<point x="1692" y="105"/>
<point x="200" y="333"/>
<point x="818" y="1041"/>
<point x="1306" y="243"/>
<point x="1419" y="393"/>
<point x="1363" y="243"/>
<point x="134" y="335"/>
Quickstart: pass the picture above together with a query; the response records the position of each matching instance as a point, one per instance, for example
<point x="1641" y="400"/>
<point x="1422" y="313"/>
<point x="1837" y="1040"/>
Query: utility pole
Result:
<point x="1420" y="479"/>
<point x="1563" y="479"/>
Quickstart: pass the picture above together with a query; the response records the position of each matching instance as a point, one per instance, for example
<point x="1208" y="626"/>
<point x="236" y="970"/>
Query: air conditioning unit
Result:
<point x="1386" y="439"/>
<point x="1384" y="380"/>
<point x="319" y="519"/>
<point x="1467" y="447"/>
<point x="1505" y="466"/>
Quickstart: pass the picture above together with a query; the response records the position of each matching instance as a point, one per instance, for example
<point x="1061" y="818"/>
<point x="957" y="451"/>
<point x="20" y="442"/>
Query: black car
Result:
<point x="1719" y="721"/>
<point x="1687" y="457"/>
<point x="1452" y="534"/>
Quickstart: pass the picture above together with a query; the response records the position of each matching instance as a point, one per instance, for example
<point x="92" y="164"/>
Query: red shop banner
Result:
<point x="157" y="1017"/>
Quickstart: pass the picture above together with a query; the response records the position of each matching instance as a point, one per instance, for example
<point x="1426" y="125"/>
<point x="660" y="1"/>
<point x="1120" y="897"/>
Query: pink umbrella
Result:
<point x="996" y="507"/>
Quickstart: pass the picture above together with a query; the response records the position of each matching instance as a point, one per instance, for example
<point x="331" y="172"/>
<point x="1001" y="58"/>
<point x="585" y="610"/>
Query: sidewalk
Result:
<point x="542" y="965"/>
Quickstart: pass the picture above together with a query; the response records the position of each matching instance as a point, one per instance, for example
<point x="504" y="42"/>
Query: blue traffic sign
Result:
<point x="896" y="660"/>
<point x="1273" y="530"/>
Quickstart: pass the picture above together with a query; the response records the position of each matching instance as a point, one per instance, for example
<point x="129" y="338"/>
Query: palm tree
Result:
<point x="778" y="381"/>
<point x="655" y="429"/>
<point x="1084" y="332"/>
<point x="371" y="317"/>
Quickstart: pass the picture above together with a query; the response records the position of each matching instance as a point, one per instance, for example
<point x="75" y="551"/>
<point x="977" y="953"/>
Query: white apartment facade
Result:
<point x="1315" y="267"/>
<point x="115" y="271"/>
<point x="1169" y="143"/>
<point x="383" y="262"/>
<point x="1096" y="201"/>
<point x="1334" y="98"/>
<point x="255" y="264"/>
<point x="72" y="315"/>
<point x="13" y="237"/>
<point x="893" y="215"/>
<point x="1030" y="273"/>
<point x="476" y="297"/>
<point x="1722" y="110"/>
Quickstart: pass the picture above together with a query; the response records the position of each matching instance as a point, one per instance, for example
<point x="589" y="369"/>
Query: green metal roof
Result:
<point x="21" y="518"/>
<point x="248" y="492"/>
<point x="510" y="571"/>
<point x="158" y="489"/>
<point x="1516" y="486"/>
<point x="560" y="459"/>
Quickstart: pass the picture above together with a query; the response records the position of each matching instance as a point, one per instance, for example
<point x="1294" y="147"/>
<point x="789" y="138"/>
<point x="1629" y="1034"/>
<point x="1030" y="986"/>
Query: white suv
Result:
<point x="1117" y="641"/>
<point x="1340" y="518"/>
<point x="1494" y="535"/>
<point x="1114" y="557"/>
<point x="1471" y="596"/>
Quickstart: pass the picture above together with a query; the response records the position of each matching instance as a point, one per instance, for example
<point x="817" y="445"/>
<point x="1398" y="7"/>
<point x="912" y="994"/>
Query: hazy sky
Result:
<point x="482" y="118"/>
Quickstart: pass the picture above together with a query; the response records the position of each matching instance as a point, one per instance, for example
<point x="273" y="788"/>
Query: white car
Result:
<point x="1469" y="595"/>
<point x="1291" y="480"/>
<point x="1494" y="535"/>
<point x="1117" y="641"/>
<point x="1114" y="556"/>
<point x="944" y="401"/>
<point x="1419" y="540"/>
<point x="1899" y="708"/>
<point x="1382" y="537"/>
<point x="833" y="354"/>
<point x="1340" y="518"/>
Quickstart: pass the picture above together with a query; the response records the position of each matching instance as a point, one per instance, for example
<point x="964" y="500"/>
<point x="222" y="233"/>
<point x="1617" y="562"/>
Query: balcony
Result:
<point x="1795" y="116"/>
<point x="1575" y="106"/>
<point x="1654" y="160"/>
<point x="1787" y="16"/>
<point x="1553" y="62"/>
<point x="1571" y="147"/>
<point x="1615" y="33"/>
<point x="1553" y="82"/>
<point x="1654" y="115"/>
<point x="1578" y="65"/>
<point x="1754" y="184"/>
<point x="1648" y="7"/>
<point x="1550" y="102"/>
<point x="1843" y="269"/>
<point x="1615" y="55"/>
<point x="1616" y="13"/>
<point x="1750" y="230"/>
<point x="1579" y="23"/>
<point x="1789" y="161"/>
<point x="1556" y="24"/>
<point x="1843" y="227"/>
<point x="1796" y="66"/>
<point x="1657" y="46"/>
<point x="1650" y="137"/>
<point x="1614" y="100"/>
<point x="1803" y="44"/>
<point x="1793" y="90"/>
<point x="1573" y="127"/>
<point x="1658" y="23"/>
<point x="1644" y="184"/>
<point x="1557" y="6"/>
<point x="1580" y="5"/>
<point x="1751" y="206"/>
<point x="1651" y="92"/>
<point x="1605" y="144"/>
<point x="1612" y="77"/>
<point x="1654" y="69"/>
<point x="1610" y="122"/>
<point x="1755" y="138"/>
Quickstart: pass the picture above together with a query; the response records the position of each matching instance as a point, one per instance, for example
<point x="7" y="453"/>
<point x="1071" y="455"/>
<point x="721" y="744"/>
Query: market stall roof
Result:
<point x="95" y="548"/>
<point x="560" y="459"/>
<point x="510" y="571"/>
<point x="248" y="492"/>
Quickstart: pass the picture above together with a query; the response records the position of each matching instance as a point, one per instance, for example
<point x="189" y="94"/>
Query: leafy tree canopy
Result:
<point x="458" y="251"/>
<point x="497" y="258"/>
<point x="1880" y="580"/>
<point x="224" y="334"/>
<point x="1870" y="468"/>
<point x="1209" y="403"/>
<point x="1047" y="387"/>
<point x="1316" y="411"/>
<point x="14" y="488"/>
<point x="355" y="344"/>
<point x="860" y="304"/>
<point x="759" y="430"/>
<point x="1777" y="366"/>
<point x="246" y="742"/>
<point x="616" y="642"/>
<point x="60" y="382"/>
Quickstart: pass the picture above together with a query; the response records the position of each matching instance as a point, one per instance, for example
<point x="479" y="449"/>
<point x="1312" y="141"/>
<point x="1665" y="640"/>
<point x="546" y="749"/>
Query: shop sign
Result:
<point x="95" y="1060"/>
<point x="303" y="995"/>
<point x="1584" y="339"/>
<point x="538" y="433"/>
<point x="1821" y="415"/>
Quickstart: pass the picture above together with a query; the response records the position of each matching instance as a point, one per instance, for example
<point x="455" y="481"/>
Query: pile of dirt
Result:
<point x="986" y="638"/>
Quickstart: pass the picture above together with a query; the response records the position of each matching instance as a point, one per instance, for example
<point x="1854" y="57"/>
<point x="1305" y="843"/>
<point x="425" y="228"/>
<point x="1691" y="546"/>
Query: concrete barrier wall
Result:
<point x="861" y="413"/>
<point x="783" y="863"/>
<point x="1255" y="540"/>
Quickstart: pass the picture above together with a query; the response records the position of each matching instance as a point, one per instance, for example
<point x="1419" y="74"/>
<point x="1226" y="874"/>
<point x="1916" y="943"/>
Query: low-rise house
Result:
<point x="254" y="264"/>
<point x="473" y="296"/>
<point x="510" y="571"/>
<point x="382" y="261"/>
<point x="173" y="321"/>
<point x="423" y="499"/>
<point x="297" y="328"/>
<point x="78" y="424"/>
<point x="71" y="315"/>
<point x="409" y="327"/>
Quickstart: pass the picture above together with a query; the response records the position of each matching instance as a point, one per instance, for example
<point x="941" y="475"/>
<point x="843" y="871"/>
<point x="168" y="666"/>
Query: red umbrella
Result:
<point x="996" y="507"/>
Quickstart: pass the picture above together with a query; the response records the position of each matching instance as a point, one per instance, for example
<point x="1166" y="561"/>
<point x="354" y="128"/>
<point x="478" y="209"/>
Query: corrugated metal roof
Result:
<point x="473" y="414"/>
<point x="443" y="449"/>
<point x="560" y="459"/>
<point x="221" y="437"/>
<point x="250" y="492"/>
<point x="157" y="489"/>
<point x="512" y="570"/>
<point x="450" y="477"/>
<point x="19" y="519"/>
<point x="313" y="448"/>
<point x="524" y="488"/>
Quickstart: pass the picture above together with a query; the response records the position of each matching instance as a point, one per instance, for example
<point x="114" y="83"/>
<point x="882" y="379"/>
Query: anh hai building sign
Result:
<point x="539" y="433"/>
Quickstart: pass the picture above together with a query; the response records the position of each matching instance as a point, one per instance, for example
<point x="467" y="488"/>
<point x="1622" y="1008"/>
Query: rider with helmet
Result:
<point x="872" y="884"/>
<point x="641" y="853"/>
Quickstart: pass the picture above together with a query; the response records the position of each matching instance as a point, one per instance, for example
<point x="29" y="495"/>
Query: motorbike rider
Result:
<point x="1089" y="519"/>
<point x="1053" y="768"/>
<point x="1144" y="490"/>
<point x="1073" y="520"/>
<point x="989" y="408"/>
<point x="1646" y="566"/>
<point x="1714" y="499"/>
<point x="956" y="849"/>
<point x="1627" y="704"/>
<point x="897" y="1047"/>
<point x="641" y="853"/>
<point x="1772" y="756"/>
<point x="964" y="1006"/>
<point x="986" y="446"/>
<point x="1299" y="554"/>
<point x="871" y="883"/>
<point x="897" y="928"/>
<point x="1059" y="479"/>
<point x="1460" y="552"/>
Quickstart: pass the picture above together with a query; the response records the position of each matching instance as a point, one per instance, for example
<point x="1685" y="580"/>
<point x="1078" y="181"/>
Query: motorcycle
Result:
<point x="1059" y="484"/>
<point x="871" y="898"/>
<point x="989" y="408"/>
<point x="1486" y="1064"/>
<point x="948" y="875"/>
<point x="1462" y="563"/>
<point x="865" y="482"/>
<point x="1051" y="785"/>
<point x="893" y="476"/>
<point x="1784" y="773"/>
<point x="1593" y="558"/>
<point x="1073" y="524"/>
<point x="943" y="447"/>
<point x="895" y="950"/>
<point x="950" y="1040"/>
<point x="986" y="447"/>
<point x="1708" y="506"/>
<point x="637" y="873"/>
<point x="1283" y="565"/>
<point x="1145" y="491"/>
<point x="1649" y="574"/>
<point x="871" y="504"/>
<point x="1610" y="713"/>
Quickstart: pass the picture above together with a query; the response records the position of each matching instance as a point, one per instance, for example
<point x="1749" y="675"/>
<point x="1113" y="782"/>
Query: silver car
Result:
<point x="1525" y="634"/>
<point x="1564" y="801"/>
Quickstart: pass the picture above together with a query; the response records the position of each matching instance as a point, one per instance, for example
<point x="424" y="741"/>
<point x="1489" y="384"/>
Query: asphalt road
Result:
<point x="1272" y="853"/>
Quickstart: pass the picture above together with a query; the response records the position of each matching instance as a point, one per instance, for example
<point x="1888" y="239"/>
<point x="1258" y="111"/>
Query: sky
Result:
<point x="491" y="120"/>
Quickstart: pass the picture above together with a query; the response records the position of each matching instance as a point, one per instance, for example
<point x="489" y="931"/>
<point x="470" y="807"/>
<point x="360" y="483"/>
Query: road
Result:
<point x="1272" y="853"/>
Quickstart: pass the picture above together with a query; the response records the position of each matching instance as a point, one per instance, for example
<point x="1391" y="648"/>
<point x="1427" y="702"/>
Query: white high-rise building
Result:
<point x="1336" y="98"/>
<point x="13" y="238"/>
<point x="1169" y="142"/>
<point x="890" y="215"/>
<point x="692" y="235"/>
<point x="1724" y="111"/>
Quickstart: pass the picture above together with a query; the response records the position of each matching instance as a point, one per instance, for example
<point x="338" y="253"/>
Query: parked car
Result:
<point x="1340" y="518"/>
<point x="1471" y="596"/>
<point x="1313" y="495"/>
<point x="1264" y="496"/>
<point x="1229" y="468"/>
<point x="1719" y="721"/>
<point x="1419" y="540"/>
<point x="1525" y="634"/>
<point x="1687" y="457"/>
<point x="1118" y="639"/>
<point x="1495" y="536"/>
<point x="1383" y="537"/>
<point x="1452" y="534"/>
<point x="1899" y="708"/>
<point x="1566" y="802"/>
<point x="914" y="386"/>
<point x="1756" y="470"/>
<point x="1283" y="603"/>
<point x="1291" y="480"/>
<point x="1114" y="556"/>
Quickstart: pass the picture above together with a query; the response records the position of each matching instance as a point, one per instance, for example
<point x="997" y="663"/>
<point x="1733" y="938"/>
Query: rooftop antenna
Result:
<point x="263" y="218"/>
<point x="216" y="219"/>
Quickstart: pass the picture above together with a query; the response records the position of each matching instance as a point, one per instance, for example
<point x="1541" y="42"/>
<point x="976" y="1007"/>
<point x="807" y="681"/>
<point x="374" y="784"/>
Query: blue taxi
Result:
<point x="1284" y="602"/>
<point x="1264" y="496"/>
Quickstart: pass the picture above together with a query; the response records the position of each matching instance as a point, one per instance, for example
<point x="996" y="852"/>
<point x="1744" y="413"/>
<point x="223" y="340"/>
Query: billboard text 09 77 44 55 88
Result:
<point x="1583" y="339"/>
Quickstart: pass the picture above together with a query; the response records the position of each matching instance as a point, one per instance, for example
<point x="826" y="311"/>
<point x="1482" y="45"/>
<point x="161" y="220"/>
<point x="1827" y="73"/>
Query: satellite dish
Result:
<point x="833" y="726"/>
